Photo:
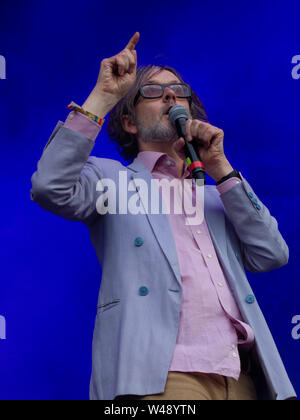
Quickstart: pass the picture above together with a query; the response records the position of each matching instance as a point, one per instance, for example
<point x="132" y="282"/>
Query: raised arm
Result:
<point x="117" y="75"/>
<point x="66" y="177"/>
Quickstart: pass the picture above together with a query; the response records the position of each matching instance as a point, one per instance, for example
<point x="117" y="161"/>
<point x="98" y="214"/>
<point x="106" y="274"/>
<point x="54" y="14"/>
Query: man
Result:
<point x="177" y="318"/>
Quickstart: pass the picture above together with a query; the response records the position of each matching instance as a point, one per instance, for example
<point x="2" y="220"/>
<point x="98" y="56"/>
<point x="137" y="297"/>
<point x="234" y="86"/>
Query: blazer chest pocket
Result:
<point x="105" y="306"/>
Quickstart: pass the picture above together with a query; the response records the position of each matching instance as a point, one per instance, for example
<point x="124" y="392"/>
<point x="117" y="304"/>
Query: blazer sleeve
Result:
<point x="66" y="176"/>
<point x="263" y="247"/>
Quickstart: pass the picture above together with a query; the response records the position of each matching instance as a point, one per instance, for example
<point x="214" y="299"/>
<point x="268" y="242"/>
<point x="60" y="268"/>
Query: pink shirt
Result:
<point x="210" y="321"/>
<point x="210" y="326"/>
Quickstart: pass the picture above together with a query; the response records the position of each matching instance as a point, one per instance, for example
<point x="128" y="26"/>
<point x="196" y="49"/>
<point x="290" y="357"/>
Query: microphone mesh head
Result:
<point x="178" y="111"/>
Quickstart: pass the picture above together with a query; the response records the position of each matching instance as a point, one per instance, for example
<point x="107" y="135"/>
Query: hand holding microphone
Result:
<point x="202" y="144"/>
<point x="178" y="116"/>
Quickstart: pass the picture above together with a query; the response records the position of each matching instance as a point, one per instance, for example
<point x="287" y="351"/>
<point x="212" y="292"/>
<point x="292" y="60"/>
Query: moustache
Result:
<point x="165" y="111"/>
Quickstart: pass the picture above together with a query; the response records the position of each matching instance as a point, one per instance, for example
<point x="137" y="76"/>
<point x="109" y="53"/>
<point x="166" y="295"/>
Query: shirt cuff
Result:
<point x="228" y="184"/>
<point x="83" y="125"/>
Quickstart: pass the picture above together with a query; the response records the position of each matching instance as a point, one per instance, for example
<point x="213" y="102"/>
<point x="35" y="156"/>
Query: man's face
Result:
<point x="152" y="121"/>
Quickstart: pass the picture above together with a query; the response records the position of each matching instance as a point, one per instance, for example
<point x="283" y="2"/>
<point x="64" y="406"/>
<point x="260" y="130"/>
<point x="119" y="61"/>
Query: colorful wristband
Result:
<point x="77" y="108"/>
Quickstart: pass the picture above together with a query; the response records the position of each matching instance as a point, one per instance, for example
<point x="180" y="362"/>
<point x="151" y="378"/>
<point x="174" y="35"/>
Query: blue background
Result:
<point x="237" y="56"/>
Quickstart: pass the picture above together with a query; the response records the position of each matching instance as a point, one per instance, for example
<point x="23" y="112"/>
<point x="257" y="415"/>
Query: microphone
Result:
<point x="178" y="116"/>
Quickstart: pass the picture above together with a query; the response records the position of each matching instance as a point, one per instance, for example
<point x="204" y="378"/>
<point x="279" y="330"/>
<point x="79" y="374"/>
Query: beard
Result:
<point x="157" y="133"/>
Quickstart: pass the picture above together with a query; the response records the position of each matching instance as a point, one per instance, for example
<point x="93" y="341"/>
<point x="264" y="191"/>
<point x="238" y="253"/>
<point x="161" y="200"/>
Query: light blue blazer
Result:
<point x="140" y="295"/>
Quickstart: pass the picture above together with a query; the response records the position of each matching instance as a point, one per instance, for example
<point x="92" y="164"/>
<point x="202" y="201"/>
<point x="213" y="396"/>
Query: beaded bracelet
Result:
<point x="75" y="107"/>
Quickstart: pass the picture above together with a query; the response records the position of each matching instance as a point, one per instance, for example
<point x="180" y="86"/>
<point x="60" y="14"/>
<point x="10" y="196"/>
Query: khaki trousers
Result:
<point x="199" y="386"/>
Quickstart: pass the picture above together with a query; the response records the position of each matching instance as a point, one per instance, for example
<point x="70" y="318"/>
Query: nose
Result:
<point x="169" y="95"/>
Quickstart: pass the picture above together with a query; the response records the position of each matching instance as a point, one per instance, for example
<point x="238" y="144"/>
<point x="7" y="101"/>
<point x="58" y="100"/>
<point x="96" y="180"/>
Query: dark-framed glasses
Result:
<point x="151" y="91"/>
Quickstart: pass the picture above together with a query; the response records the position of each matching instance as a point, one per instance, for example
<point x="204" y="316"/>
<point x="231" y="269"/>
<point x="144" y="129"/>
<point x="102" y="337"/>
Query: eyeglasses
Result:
<point x="152" y="91"/>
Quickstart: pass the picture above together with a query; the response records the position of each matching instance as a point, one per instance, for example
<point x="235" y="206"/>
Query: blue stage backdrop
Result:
<point x="242" y="59"/>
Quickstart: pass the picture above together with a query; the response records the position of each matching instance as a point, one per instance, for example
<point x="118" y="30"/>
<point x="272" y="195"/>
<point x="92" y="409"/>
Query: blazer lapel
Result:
<point x="159" y="222"/>
<point x="215" y="219"/>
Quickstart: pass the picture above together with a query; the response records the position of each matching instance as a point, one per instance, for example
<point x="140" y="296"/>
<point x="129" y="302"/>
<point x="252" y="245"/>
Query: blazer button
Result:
<point x="138" y="241"/>
<point x="143" y="291"/>
<point x="250" y="299"/>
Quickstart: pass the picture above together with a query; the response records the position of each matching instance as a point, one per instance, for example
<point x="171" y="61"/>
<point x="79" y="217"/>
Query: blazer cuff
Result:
<point x="228" y="184"/>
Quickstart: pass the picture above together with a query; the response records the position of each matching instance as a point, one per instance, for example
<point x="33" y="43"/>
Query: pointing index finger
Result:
<point x="133" y="41"/>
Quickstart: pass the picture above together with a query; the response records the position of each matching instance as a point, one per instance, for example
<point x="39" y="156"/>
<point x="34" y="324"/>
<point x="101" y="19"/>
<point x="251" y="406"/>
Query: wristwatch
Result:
<point x="233" y="174"/>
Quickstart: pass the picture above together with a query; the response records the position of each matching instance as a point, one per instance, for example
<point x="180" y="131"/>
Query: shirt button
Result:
<point x="71" y="116"/>
<point x="234" y="355"/>
<point x="209" y="256"/>
<point x="143" y="291"/>
<point x="138" y="241"/>
<point x="169" y="163"/>
<point x="233" y="346"/>
<point x="220" y="284"/>
<point x="198" y="231"/>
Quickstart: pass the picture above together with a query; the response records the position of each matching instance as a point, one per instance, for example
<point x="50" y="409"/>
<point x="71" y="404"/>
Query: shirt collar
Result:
<point x="151" y="159"/>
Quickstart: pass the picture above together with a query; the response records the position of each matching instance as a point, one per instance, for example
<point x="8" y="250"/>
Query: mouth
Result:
<point x="168" y="109"/>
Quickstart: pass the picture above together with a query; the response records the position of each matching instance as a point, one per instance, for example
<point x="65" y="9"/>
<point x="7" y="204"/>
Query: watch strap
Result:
<point x="233" y="174"/>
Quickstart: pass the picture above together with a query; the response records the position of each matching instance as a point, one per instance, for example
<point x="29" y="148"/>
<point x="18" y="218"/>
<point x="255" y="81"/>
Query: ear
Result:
<point x="129" y="125"/>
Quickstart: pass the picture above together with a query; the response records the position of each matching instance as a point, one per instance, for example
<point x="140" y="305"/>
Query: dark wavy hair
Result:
<point x="127" y="143"/>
